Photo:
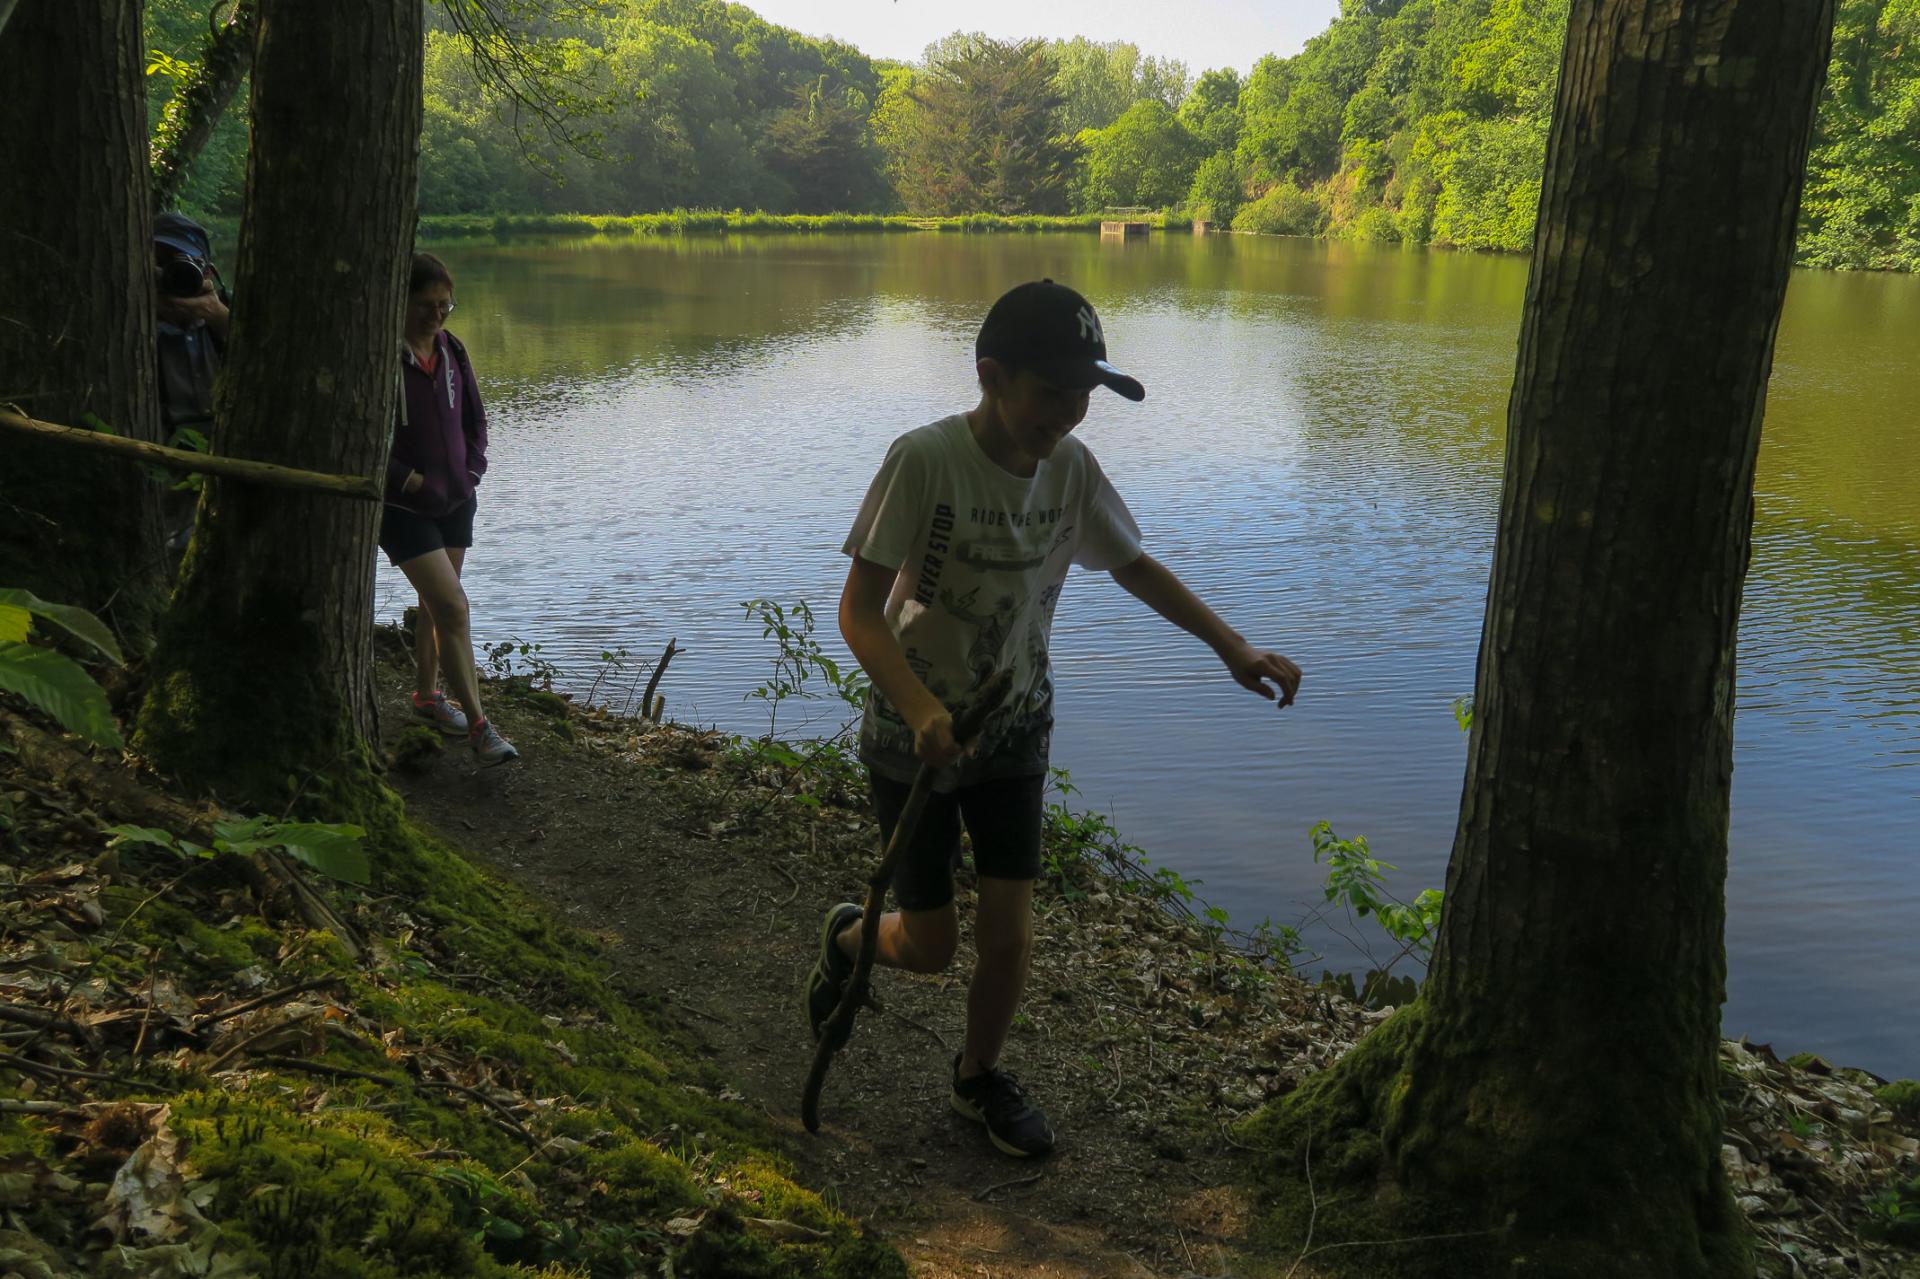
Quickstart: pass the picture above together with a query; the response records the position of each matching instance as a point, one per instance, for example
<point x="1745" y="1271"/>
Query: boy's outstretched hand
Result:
<point x="1252" y="667"/>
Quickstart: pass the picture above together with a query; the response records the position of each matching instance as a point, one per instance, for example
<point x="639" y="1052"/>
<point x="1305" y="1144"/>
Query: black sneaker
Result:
<point x="828" y="980"/>
<point x="995" y="1098"/>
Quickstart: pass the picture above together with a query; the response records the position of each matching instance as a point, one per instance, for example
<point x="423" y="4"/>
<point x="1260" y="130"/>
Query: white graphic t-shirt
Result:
<point x="981" y="556"/>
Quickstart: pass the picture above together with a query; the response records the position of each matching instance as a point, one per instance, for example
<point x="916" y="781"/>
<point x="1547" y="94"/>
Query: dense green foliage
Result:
<point x="1405" y="120"/>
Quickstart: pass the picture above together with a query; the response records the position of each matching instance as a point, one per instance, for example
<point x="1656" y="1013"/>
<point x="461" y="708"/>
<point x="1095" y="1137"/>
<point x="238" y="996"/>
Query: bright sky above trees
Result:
<point x="1201" y="33"/>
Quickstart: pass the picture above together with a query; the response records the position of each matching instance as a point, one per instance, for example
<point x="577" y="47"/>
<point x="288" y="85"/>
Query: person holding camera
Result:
<point x="190" y="337"/>
<point x="426" y="527"/>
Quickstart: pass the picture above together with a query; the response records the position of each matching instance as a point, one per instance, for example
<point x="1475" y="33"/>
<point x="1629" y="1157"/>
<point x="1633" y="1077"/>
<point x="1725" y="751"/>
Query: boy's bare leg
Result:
<point x="1003" y="935"/>
<point x="920" y="941"/>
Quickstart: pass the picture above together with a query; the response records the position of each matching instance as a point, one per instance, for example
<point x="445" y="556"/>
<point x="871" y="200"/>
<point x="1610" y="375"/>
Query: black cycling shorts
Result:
<point x="1002" y="817"/>
<point x="407" y="535"/>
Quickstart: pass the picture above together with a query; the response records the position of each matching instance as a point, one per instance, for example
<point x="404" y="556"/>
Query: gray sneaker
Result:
<point x="441" y="713"/>
<point x="488" y="746"/>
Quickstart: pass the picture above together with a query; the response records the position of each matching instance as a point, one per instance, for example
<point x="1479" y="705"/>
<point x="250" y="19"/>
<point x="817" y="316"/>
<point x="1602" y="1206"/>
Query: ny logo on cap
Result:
<point x="1090" y="326"/>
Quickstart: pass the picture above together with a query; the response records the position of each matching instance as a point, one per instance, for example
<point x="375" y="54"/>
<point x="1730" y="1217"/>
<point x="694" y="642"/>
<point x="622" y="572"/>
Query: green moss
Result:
<point x="335" y="1193"/>
<point x="313" y="1177"/>
<point x="202" y="950"/>
<point x="1369" y="1151"/>
<point x="417" y="747"/>
<point x="548" y="703"/>
<point x="1902" y="1097"/>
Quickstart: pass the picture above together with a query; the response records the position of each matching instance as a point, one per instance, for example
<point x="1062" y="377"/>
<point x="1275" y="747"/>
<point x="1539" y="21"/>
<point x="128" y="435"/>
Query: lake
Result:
<point x="682" y="425"/>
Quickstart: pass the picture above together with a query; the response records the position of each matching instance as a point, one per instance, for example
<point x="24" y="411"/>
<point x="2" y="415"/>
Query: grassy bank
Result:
<point x="738" y="222"/>
<point x="195" y="1079"/>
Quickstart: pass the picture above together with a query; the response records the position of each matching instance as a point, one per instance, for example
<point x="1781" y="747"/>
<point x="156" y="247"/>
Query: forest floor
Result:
<point x="707" y="870"/>
<point x="567" y="1038"/>
<point x="710" y="888"/>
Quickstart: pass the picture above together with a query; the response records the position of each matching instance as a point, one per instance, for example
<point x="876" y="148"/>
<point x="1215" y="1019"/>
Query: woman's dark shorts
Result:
<point x="1002" y="816"/>
<point x="407" y="535"/>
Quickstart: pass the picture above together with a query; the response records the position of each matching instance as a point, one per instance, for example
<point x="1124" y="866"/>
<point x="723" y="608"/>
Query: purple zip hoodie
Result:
<point x="442" y="432"/>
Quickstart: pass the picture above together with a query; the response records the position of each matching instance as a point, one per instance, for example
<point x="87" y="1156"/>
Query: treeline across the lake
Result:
<point x="1405" y="120"/>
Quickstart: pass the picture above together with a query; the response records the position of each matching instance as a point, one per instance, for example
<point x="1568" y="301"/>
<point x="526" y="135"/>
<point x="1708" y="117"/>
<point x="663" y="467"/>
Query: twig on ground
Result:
<point x="1313" y="1214"/>
<point x="513" y="1123"/>
<point x="146" y="1014"/>
<point x="19" y="1106"/>
<point x="788" y="875"/>
<point x="897" y="1015"/>
<point x="1007" y="1185"/>
<point x="67" y="1072"/>
<point x="205" y="1020"/>
<point x="254" y="1038"/>
<point x="325" y="1068"/>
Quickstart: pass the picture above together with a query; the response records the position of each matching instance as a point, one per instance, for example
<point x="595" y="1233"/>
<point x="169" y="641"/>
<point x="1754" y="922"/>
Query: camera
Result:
<point x="182" y="277"/>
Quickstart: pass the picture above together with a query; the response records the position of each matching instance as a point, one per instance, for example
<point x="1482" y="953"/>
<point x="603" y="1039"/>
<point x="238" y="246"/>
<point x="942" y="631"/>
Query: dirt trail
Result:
<point x="723" y="927"/>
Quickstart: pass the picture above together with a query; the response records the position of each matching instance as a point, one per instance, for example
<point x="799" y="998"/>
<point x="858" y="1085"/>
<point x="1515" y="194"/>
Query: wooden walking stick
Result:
<point x="966" y="726"/>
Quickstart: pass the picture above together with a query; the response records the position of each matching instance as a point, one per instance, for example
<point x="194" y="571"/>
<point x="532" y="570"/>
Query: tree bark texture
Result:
<point x="76" y="316"/>
<point x="197" y="105"/>
<point x="264" y="668"/>
<point x="1555" y="1082"/>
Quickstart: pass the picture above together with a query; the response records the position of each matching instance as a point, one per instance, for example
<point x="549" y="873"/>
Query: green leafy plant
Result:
<point x="1893" y="1214"/>
<point x="1357" y="879"/>
<point x="332" y="850"/>
<point x="800" y="665"/>
<point x="48" y="679"/>
<point x="802" y="671"/>
<point x="518" y="657"/>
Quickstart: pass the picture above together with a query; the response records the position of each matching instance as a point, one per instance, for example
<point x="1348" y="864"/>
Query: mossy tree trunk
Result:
<point x="1554" y="1084"/>
<point x="198" y="104"/>
<point x="76" y="315"/>
<point x="263" y="671"/>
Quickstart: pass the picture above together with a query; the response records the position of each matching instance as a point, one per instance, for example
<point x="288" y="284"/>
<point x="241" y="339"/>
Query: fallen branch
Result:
<point x="647" y="709"/>
<point x="512" y="1122"/>
<point x="40" y="1019"/>
<point x="17" y="1106"/>
<point x="205" y="1020"/>
<point x="326" y="1068"/>
<point x="265" y="1032"/>
<point x="358" y="487"/>
<point x="967" y="724"/>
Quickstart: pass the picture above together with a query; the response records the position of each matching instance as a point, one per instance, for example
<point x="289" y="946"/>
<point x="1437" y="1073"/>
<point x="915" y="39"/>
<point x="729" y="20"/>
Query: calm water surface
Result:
<point x="681" y="426"/>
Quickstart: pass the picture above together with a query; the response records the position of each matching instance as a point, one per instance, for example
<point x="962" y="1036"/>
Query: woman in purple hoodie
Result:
<point x="439" y="455"/>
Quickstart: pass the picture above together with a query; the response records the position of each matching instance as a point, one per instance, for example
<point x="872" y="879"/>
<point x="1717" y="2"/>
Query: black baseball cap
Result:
<point x="182" y="234"/>
<point x="1053" y="331"/>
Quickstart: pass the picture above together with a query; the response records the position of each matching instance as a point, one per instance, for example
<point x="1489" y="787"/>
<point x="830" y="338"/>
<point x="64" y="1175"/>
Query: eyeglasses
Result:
<point x="441" y="308"/>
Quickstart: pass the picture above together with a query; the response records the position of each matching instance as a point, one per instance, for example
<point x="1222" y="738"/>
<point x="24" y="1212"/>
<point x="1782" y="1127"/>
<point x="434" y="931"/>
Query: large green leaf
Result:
<point x="143" y="835"/>
<point x="14" y="624"/>
<point x="77" y="622"/>
<point x="58" y="686"/>
<point x="334" y="851"/>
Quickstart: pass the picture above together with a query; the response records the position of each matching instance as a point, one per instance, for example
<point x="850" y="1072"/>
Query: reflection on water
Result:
<point x="682" y="425"/>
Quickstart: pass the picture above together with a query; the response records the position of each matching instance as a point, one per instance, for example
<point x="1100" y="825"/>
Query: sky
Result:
<point x="1201" y="33"/>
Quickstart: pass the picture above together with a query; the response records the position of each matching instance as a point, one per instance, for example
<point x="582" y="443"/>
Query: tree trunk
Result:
<point x="198" y="104"/>
<point x="76" y="317"/>
<point x="1554" y="1085"/>
<point x="263" y="678"/>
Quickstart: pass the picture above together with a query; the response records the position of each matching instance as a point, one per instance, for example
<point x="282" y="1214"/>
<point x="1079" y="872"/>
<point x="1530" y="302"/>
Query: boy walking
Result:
<point x="959" y="554"/>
